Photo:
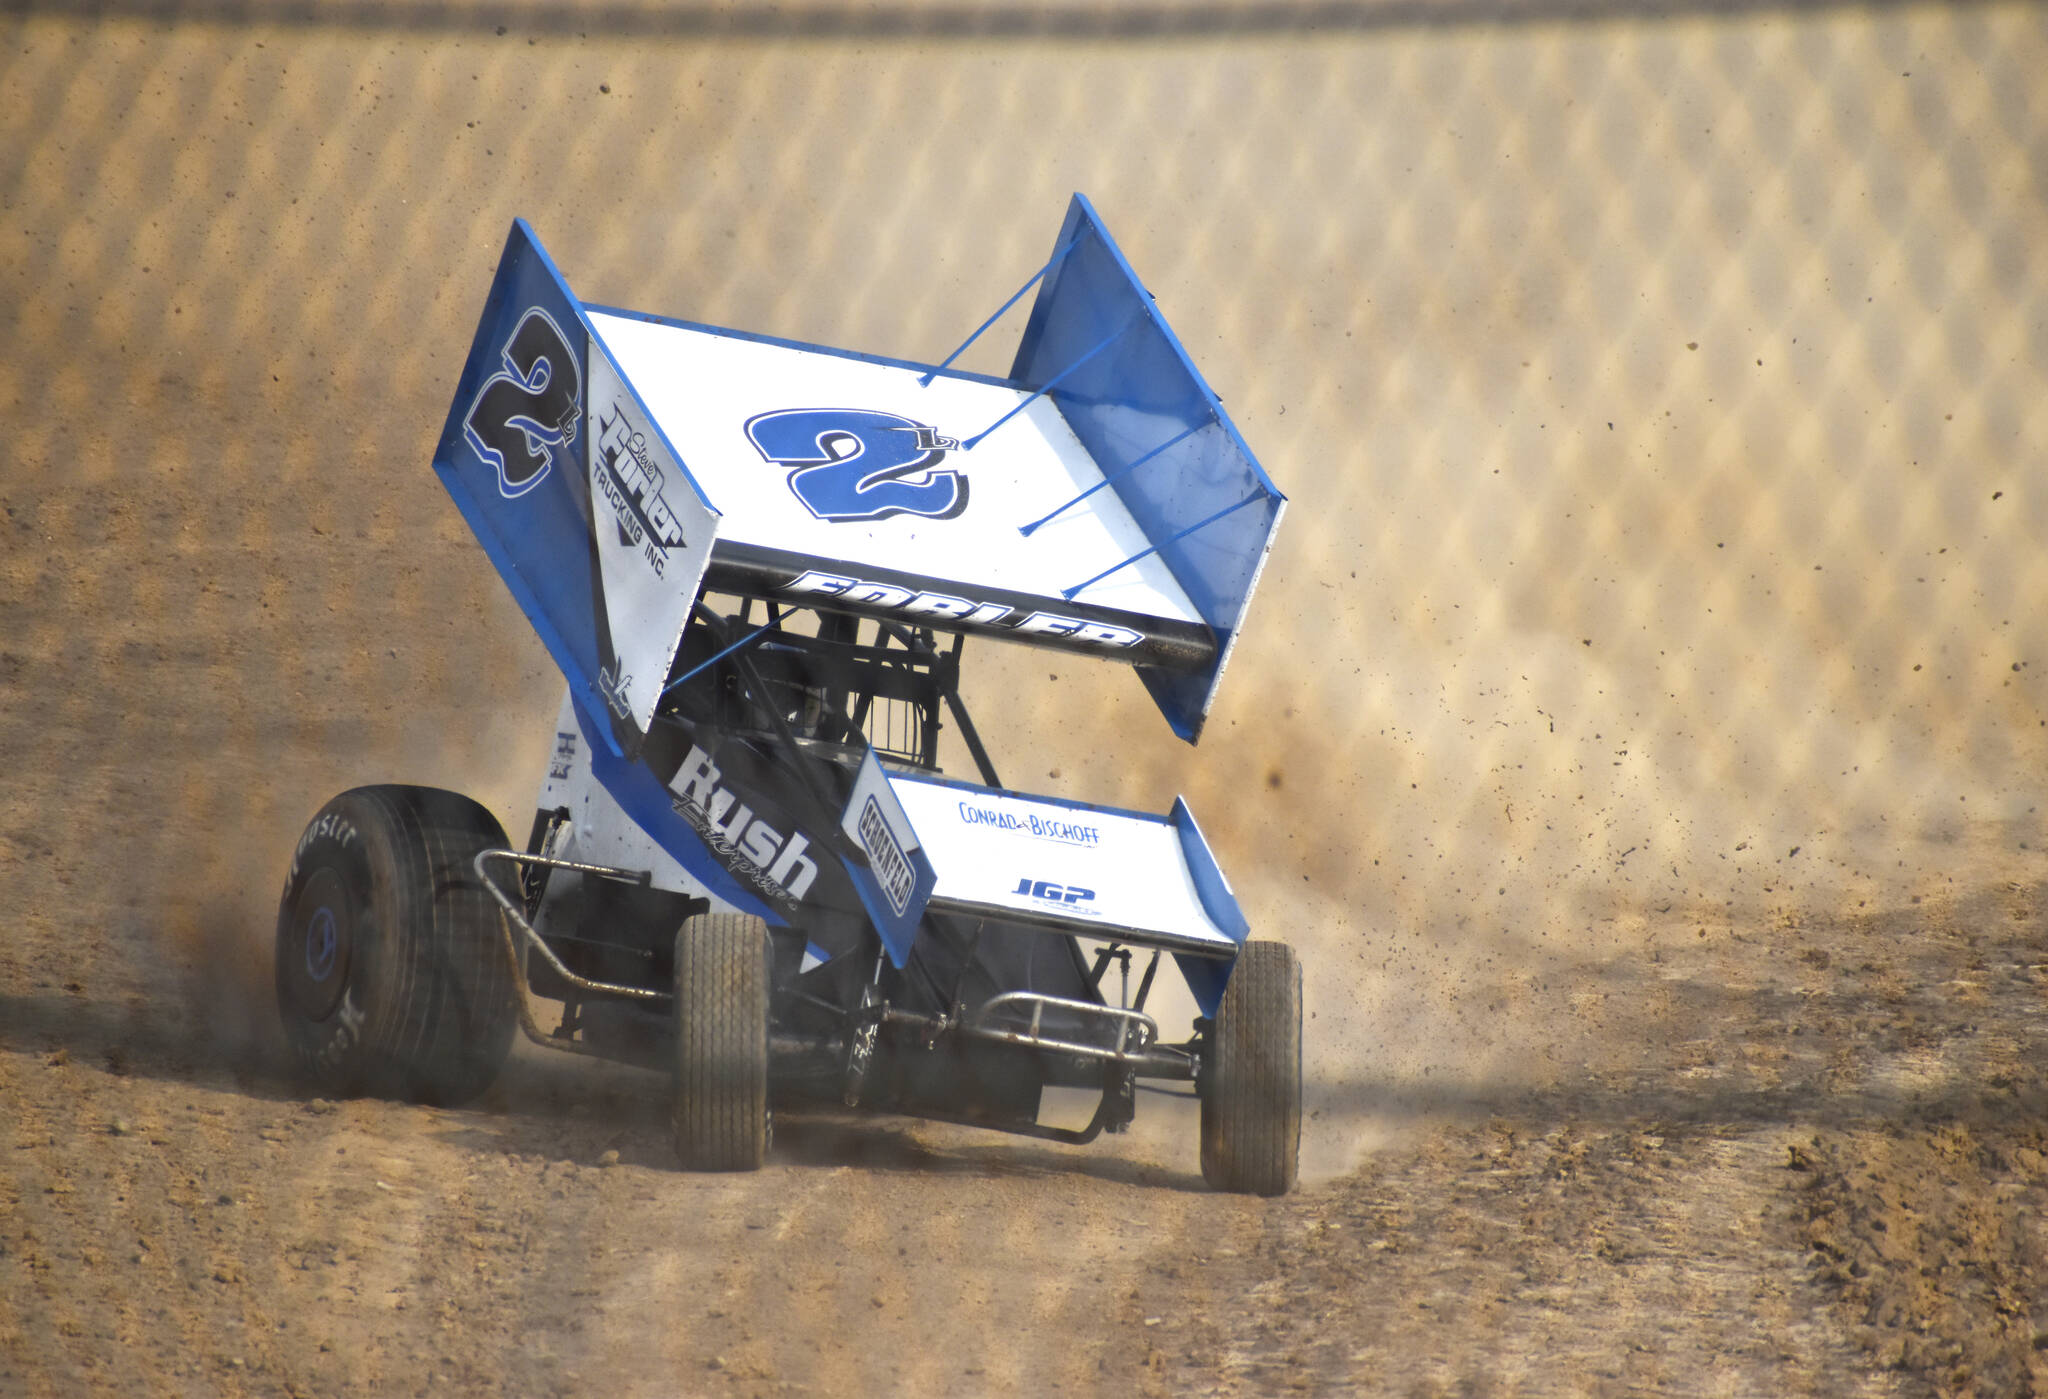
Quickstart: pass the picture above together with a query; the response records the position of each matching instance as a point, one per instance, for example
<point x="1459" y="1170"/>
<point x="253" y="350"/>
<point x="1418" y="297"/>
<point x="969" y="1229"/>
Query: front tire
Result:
<point x="1251" y="1082"/>
<point x="724" y="966"/>
<point x="392" y="974"/>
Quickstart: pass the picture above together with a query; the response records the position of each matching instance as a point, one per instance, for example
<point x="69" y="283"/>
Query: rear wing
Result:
<point x="1097" y="502"/>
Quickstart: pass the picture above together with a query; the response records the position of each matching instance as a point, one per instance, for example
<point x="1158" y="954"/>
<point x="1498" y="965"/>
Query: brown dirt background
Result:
<point x="1640" y="734"/>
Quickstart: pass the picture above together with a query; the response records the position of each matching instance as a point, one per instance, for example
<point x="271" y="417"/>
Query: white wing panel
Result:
<point x="1044" y="858"/>
<point x="704" y="389"/>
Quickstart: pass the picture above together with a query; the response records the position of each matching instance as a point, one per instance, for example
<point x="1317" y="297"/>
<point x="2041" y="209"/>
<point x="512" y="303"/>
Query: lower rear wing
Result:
<point x="1092" y="871"/>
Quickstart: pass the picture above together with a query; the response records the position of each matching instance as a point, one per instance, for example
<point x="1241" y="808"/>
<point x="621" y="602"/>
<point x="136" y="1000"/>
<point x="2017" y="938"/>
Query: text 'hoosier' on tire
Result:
<point x="1251" y="1080"/>
<point x="392" y="973"/>
<point x="724" y="965"/>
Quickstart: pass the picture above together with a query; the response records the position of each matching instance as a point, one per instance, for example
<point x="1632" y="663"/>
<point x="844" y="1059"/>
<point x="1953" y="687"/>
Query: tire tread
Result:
<point x="1251" y="1104"/>
<point x="720" y="1099"/>
<point x="442" y="990"/>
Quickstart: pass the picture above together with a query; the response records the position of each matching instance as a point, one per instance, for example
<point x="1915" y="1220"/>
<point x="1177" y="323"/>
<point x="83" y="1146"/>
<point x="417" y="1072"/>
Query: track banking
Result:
<point x="1045" y="828"/>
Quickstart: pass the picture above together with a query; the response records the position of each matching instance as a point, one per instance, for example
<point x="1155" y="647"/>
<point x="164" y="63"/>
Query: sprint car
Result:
<point x="757" y="563"/>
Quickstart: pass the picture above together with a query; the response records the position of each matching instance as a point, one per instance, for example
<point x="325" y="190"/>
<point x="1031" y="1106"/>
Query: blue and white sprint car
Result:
<point x="757" y="563"/>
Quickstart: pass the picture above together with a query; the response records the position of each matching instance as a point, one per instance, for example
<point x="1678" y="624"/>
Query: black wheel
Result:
<point x="1251" y="1077"/>
<point x="392" y="974"/>
<point x="724" y="965"/>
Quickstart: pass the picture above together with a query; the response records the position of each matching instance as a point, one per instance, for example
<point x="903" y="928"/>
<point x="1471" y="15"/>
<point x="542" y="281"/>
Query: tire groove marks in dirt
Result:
<point x="874" y="1256"/>
<point x="1822" y="1173"/>
<point x="710" y="1282"/>
<point x="432" y="1247"/>
<point x="1515" y="1259"/>
<point x="665" y="1323"/>
<point x="1926" y="1222"/>
<point x="188" y="1238"/>
<point x="1932" y="1237"/>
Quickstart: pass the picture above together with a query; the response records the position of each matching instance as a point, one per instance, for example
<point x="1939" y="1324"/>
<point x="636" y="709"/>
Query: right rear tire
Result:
<point x="724" y="965"/>
<point x="1251" y="1082"/>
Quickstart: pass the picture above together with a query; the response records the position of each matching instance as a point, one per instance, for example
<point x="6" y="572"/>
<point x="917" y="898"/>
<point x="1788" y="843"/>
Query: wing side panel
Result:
<point x="576" y="496"/>
<point x="1160" y="436"/>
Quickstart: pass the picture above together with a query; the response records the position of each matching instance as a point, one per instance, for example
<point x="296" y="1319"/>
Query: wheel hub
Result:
<point x="316" y="976"/>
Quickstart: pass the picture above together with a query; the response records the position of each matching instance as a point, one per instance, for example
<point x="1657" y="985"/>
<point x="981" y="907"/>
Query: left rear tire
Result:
<point x="392" y="974"/>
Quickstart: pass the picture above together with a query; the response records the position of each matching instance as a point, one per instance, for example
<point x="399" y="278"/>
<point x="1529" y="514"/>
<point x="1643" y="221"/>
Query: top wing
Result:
<point x="846" y="481"/>
<point x="1099" y="501"/>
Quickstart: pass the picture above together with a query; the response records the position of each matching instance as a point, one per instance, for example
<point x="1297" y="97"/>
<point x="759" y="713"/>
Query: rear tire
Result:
<point x="724" y="966"/>
<point x="1251" y="1080"/>
<point x="392" y="974"/>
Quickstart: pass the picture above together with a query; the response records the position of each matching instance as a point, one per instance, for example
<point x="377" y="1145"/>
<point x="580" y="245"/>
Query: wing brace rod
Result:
<point x="924" y="380"/>
<point x="1068" y="593"/>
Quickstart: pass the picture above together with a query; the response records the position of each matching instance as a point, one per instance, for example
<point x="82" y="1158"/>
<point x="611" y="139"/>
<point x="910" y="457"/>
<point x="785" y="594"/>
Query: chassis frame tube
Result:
<point x="1147" y="1058"/>
<point x="1160" y="1061"/>
<point x="515" y="918"/>
<point x="534" y="940"/>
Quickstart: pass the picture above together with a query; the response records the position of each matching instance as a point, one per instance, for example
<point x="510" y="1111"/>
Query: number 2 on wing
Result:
<point x="856" y="463"/>
<point x="530" y="407"/>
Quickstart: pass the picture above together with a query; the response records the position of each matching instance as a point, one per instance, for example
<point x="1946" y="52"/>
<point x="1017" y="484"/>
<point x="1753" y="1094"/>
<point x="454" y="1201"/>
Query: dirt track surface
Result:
<point x="1803" y="1164"/>
<point x="1639" y="736"/>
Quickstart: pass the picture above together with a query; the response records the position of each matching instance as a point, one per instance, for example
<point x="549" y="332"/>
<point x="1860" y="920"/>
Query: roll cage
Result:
<point x="827" y="693"/>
